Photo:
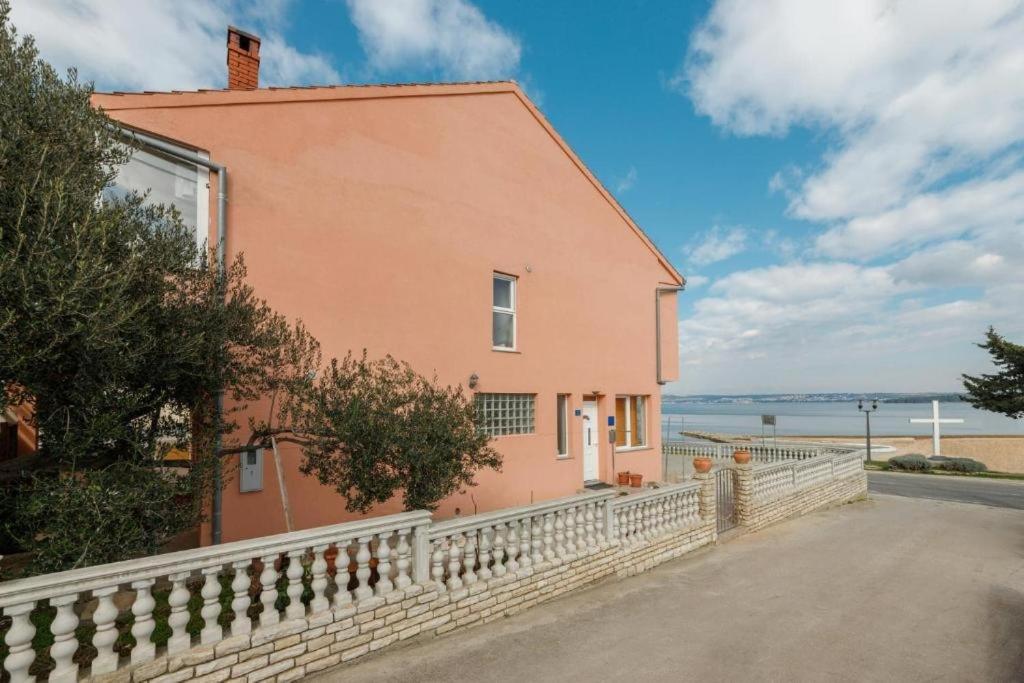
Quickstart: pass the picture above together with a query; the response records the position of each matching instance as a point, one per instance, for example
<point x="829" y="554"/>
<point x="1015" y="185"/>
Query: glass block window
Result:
<point x="505" y="414"/>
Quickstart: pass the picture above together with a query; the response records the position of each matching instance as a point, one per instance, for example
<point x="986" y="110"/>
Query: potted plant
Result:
<point x="741" y="456"/>
<point x="635" y="479"/>
<point x="702" y="464"/>
<point x="624" y="478"/>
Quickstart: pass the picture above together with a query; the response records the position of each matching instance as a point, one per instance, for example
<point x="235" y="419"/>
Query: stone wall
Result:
<point x="756" y="512"/>
<point x="298" y="647"/>
<point x="480" y="569"/>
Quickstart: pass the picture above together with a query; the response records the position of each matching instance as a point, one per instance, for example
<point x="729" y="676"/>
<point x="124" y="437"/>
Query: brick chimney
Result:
<point x="243" y="60"/>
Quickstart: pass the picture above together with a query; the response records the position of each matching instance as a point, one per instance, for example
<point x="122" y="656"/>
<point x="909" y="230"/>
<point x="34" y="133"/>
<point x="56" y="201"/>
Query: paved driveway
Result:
<point x="891" y="589"/>
<point x="996" y="492"/>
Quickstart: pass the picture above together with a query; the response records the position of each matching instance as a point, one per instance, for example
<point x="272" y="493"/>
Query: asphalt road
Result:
<point x="993" y="492"/>
<point x="860" y="592"/>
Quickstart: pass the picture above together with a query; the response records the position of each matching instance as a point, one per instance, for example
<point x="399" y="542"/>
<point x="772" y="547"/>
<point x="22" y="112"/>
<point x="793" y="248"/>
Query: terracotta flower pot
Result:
<point x="623" y="478"/>
<point x="702" y="464"/>
<point x="635" y="480"/>
<point x="741" y="456"/>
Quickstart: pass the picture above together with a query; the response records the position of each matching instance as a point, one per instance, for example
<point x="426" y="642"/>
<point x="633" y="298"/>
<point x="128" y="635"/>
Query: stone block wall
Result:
<point x="754" y="514"/>
<point x="296" y="648"/>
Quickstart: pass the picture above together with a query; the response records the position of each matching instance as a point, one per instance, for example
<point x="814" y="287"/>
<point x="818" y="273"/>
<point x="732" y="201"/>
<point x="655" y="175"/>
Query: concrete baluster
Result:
<point x="525" y="561"/>
<point x="384" y="583"/>
<point x="454" y="563"/>
<point x="485" y="554"/>
<point x="499" y="550"/>
<point x="240" y="600"/>
<point x="437" y="565"/>
<point x="342" y="596"/>
<point x="537" y="539"/>
<point x="143" y="625"/>
<point x="105" y="636"/>
<point x="550" y="551"/>
<point x="64" y="642"/>
<point x="469" y="576"/>
<point x="180" y="639"/>
<point x="295" y="608"/>
<point x="268" y="593"/>
<point x="403" y="563"/>
<point x="20" y="654"/>
<point x="319" y="582"/>
<point x="210" y="593"/>
<point x="512" y="548"/>
<point x="363" y="571"/>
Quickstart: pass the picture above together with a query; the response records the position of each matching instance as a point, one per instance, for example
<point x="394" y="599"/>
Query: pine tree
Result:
<point x="1003" y="391"/>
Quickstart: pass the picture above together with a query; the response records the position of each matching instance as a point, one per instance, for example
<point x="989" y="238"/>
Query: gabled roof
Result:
<point x="199" y="98"/>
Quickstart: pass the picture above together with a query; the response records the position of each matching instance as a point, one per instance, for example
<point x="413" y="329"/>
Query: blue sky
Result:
<point x="841" y="183"/>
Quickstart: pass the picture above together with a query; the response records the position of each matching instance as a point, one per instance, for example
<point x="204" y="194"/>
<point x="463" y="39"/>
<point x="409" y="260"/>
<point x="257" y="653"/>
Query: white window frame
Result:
<point x="628" y="427"/>
<point x="513" y="294"/>
<point x="202" y="193"/>
<point x="561" y="453"/>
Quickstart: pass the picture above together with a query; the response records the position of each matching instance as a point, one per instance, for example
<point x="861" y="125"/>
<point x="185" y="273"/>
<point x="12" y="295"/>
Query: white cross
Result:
<point x="935" y="422"/>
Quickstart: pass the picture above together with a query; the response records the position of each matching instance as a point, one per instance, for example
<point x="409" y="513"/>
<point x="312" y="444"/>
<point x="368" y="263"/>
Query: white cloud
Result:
<point x="695" y="281"/>
<point x="835" y="327"/>
<point x="914" y="91"/>
<point x="975" y="206"/>
<point x="626" y="182"/>
<point x="916" y="206"/>
<point x="717" y="244"/>
<point x="162" y="44"/>
<point x="451" y="36"/>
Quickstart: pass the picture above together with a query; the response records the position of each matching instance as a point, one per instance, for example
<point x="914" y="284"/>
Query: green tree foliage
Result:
<point x="119" y="333"/>
<point x="1002" y="391"/>
<point x="374" y="429"/>
<point x="114" y="328"/>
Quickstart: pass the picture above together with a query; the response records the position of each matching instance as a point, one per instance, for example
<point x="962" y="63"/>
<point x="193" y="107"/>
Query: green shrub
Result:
<point x="962" y="465"/>
<point x="912" y="462"/>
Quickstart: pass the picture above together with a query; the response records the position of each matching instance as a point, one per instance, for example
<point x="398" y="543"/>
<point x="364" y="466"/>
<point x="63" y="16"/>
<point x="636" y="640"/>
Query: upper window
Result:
<point x="505" y="414"/>
<point x="630" y="421"/>
<point x="169" y="181"/>
<point x="562" y="422"/>
<point x="503" y="313"/>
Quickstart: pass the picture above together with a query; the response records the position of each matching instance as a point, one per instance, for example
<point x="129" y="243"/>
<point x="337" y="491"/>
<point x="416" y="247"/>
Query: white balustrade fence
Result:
<point x="781" y="479"/>
<point x="758" y="453"/>
<point x="258" y="583"/>
<point x="652" y="513"/>
<point x="261" y="580"/>
<point x="470" y="549"/>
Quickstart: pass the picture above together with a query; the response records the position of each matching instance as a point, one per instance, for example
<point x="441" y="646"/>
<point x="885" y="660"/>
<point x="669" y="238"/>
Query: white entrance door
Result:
<point x="591" y="439"/>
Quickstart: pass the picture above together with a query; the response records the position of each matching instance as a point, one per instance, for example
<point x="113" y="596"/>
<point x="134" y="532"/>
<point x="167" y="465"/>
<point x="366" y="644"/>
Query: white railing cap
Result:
<point x="655" y="493"/>
<point x="460" y="524"/>
<point x="45" y="586"/>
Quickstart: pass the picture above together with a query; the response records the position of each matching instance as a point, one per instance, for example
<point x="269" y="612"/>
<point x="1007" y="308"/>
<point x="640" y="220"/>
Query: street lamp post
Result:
<point x="867" y="420"/>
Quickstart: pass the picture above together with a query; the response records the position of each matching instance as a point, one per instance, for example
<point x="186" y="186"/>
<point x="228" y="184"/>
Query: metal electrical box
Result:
<point x="250" y="476"/>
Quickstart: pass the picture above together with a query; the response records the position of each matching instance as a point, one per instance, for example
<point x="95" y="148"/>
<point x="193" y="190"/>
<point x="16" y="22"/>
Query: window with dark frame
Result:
<point x="563" y="425"/>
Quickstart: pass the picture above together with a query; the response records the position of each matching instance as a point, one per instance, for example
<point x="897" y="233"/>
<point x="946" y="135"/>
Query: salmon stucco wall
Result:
<point x="379" y="220"/>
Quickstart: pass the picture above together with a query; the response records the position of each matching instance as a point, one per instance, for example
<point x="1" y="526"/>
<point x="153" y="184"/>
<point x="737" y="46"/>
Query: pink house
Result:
<point x="450" y="226"/>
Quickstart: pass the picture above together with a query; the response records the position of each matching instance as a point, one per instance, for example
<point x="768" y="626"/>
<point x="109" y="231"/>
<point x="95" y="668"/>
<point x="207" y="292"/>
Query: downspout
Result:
<point x="222" y="228"/>
<point x="657" y="326"/>
<point x="657" y="357"/>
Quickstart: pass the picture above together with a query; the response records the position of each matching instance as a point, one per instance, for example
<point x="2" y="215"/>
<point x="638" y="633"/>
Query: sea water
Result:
<point x="831" y="419"/>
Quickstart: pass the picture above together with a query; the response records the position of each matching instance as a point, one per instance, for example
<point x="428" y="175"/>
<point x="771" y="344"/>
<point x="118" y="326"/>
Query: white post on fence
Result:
<point x="421" y="555"/>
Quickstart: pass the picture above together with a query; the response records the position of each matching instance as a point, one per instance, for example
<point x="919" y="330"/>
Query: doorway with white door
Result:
<point x="591" y="442"/>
